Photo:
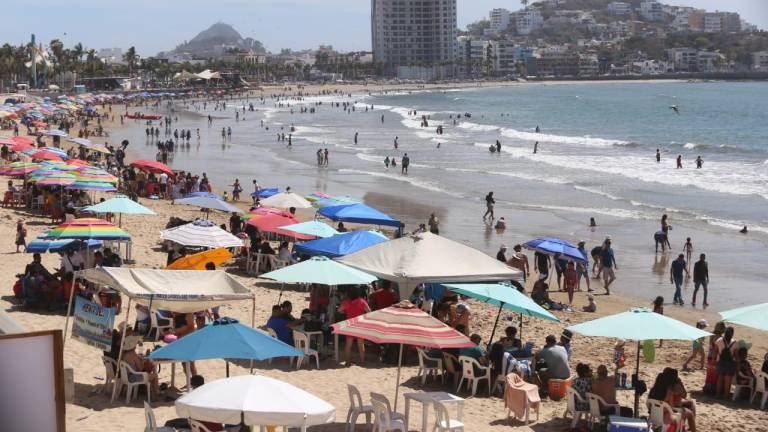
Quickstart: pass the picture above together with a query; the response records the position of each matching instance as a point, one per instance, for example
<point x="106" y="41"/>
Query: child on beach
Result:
<point x="658" y="307"/>
<point x="688" y="250"/>
<point x="592" y="306"/>
<point x="618" y="356"/>
<point x="698" y="347"/>
<point x="21" y="235"/>
<point x="571" y="280"/>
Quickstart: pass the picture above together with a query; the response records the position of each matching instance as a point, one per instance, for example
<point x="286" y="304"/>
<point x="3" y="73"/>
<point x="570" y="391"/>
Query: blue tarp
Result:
<point x="358" y="213"/>
<point x="266" y="193"/>
<point x="341" y="244"/>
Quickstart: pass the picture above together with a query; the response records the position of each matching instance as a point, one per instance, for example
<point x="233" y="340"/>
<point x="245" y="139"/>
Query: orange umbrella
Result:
<point x="198" y="261"/>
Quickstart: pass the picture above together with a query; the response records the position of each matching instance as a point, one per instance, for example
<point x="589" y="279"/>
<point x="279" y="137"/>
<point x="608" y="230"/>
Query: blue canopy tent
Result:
<point x="340" y="244"/>
<point x="358" y="213"/>
<point x="265" y="193"/>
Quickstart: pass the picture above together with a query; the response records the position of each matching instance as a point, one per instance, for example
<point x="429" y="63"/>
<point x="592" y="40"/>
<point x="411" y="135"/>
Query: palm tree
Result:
<point x="524" y="3"/>
<point x="131" y="58"/>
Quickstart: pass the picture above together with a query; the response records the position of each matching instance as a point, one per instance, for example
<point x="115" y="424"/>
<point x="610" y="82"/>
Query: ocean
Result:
<point x="595" y="158"/>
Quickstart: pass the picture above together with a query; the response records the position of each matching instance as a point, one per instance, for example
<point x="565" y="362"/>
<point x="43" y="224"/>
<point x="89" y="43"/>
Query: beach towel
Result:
<point x="520" y="395"/>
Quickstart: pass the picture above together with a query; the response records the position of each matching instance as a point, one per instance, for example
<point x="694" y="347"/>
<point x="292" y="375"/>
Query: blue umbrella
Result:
<point x="225" y="338"/>
<point x="203" y="194"/>
<point x="553" y="246"/>
<point x="341" y="244"/>
<point x="41" y="245"/>
<point x="266" y="193"/>
<point x="209" y="203"/>
<point x="358" y="213"/>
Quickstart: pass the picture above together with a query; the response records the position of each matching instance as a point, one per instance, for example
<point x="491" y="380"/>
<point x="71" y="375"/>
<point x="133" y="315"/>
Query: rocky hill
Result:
<point x="214" y="42"/>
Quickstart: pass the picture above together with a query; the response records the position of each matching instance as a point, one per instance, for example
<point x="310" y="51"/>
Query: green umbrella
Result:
<point x="639" y="324"/>
<point x="322" y="271"/>
<point x="120" y="204"/>
<point x="755" y="316"/>
<point x="313" y="228"/>
<point x="505" y="297"/>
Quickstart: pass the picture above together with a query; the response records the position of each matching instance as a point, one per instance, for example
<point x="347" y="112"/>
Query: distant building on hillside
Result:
<point x="722" y="22"/>
<point x="651" y="10"/>
<point x="111" y="55"/>
<point x="499" y="20"/>
<point x="619" y="8"/>
<point x="527" y="21"/>
<point x="684" y="59"/>
<point x="414" y="33"/>
<point x="760" y="61"/>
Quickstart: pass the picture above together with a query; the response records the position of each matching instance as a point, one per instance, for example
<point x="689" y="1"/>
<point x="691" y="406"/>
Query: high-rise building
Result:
<point x="499" y="20"/>
<point x="413" y="33"/>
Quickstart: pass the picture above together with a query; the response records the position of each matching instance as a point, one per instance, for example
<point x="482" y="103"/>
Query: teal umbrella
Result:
<point x="313" y="228"/>
<point x="120" y="204"/>
<point x="505" y="297"/>
<point x="639" y="324"/>
<point x="755" y="316"/>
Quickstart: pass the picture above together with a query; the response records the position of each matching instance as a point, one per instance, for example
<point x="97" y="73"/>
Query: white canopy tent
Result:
<point x="428" y="258"/>
<point x="286" y="200"/>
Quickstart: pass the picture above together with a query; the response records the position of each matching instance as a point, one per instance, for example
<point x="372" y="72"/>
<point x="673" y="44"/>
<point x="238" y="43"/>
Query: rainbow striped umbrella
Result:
<point x="20" y="168"/>
<point x="87" y="228"/>
<point x="56" y="179"/>
<point x="92" y="186"/>
<point x="95" y="175"/>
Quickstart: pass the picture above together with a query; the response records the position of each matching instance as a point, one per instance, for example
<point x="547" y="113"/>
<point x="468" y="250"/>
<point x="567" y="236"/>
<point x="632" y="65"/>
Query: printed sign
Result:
<point x="93" y="324"/>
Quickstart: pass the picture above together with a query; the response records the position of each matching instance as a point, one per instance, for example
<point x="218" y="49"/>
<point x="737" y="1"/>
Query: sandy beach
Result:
<point x="92" y="410"/>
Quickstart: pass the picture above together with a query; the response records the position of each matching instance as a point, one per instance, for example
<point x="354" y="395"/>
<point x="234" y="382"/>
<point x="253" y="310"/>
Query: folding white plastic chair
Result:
<point x="110" y="366"/>
<point x="501" y="378"/>
<point x="429" y="366"/>
<point x="384" y="420"/>
<point x="760" y="388"/>
<point x="596" y="403"/>
<point x="443" y="420"/>
<point x="133" y="387"/>
<point x="159" y="324"/>
<point x="571" y="397"/>
<point x="427" y="305"/>
<point x="356" y="408"/>
<point x="737" y="388"/>
<point x="149" y="416"/>
<point x="468" y="367"/>
<point x="656" y="410"/>
<point x="301" y="341"/>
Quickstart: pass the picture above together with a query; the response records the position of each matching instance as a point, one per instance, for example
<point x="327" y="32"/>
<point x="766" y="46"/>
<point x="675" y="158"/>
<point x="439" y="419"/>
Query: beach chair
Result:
<point x="356" y="408"/>
<point x="276" y="264"/>
<point x="468" y="374"/>
<point x="197" y="426"/>
<point x="656" y="410"/>
<point x="273" y="335"/>
<point x="737" y="388"/>
<point x="429" y="366"/>
<point x="133" y="387"/>
<point x="301" y="341"/>
<point x="427" y="305"/>
<point x="572" y="396"/>
<point x="516" y="389"/>
<point x="760" y="388"/>
<point x="149" y="416"/>
<point x="384" y="420"/>
<point x="110" y="365"/>
<point x="501" y="378"/>
<point x="158" y="325"/>
<point x="595" y="405"/>
<point x="451" y="366"/>
<point x="443" y="420"/>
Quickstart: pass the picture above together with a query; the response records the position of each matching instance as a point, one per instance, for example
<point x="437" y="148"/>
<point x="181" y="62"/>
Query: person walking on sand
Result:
<point x="608" y="265"/>
<point x="434" y="224"/>
<point x="21" y="235"/>
<point x="676" y="271"/>
<point x="404" y="164"/>
<point x="490" y="202"/>
<point x="688" y="250"/>
<point x="700" y="278"/>
<point x="236" y="189"/>
<point x="582" y="268"/>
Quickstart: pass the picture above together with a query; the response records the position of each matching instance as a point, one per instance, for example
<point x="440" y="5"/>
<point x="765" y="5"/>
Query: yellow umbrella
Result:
<point x="199" y="260"/>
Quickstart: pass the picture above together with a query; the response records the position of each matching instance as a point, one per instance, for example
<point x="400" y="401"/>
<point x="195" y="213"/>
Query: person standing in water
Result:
<point x="679" y="161"/>
<point x="355" y="138"/>
<point x="676" y="270"/>
<point x="688" y="250"/>
<point x="699" y="162"/>
<point x="386" y="161"/>
<point x="404" y="164"/>
<point x="395" y="143"/>
<point x="538" y="129"/>
<point x="658" y="156"/>
<point x="498" y="146"/>
<point x="536" y="147"/>
<point x="490" y="202"/>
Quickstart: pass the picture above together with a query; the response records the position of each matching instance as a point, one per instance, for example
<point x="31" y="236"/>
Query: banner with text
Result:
<point x="93" y="324"/>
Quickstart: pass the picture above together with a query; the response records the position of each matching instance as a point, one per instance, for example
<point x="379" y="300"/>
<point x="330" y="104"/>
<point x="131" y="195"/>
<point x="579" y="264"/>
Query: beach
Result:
<point x="274" y="165"/>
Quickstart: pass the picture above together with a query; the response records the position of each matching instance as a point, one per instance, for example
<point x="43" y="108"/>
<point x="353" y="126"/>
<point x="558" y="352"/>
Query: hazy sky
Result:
<point x="157" y="25"/>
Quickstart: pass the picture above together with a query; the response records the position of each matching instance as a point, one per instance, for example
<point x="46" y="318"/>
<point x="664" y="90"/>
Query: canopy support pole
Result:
<point x="69" y="309"/>
<point x="521" y="326"/>
<point x="495" y="324"/>
<point x="397" y="382"/>
<point x="637" y="373"/>
<point x="120" y="354"/>
<point x="253" y="325"/>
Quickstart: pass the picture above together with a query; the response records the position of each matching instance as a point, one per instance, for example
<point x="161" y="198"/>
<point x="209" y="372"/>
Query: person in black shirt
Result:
<point x="502" y="254"/>
<point x="235" y="223"/>
<point x="541" y="263"/>
<point x="700" y="278"/>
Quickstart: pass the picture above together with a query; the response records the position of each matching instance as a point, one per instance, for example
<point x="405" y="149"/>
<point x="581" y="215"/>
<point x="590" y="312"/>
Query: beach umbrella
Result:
<point x="255" y="400"/>
<point x="755" y="316"/>
<point x="358" y="213"/>
<point x="55" y="179"/>
<point x="6" y="141"/>
<point x="87" y="228"/>
<point x="334" y="201"/>
<point x="120" y="204"/>
<point x="204" y="194"/>
<point x="199" y="260"/>
<point x="43" y="155"/>
<point x="265" y="193"/>
<point x="201" y="233"/>
<point x="341" y="244"/>
<point x="316" y="196"/>
<point x="225" y="338"/>
<point x="152" y="166"/>
<point x="639" y="324"/>
<point x="286" y="200"/>
<point x="313" y="228"/>
<point x="264" y="211"/>
<point x="95" y="175"/>
<point x="208" y="203"/>
<point x="23" y="140"/>
<point x="553" y="246"/>
<point x="42" y="245"/>
<point x="20" y="168"/>
<point x="20" y="147"/>
<point x="322" y="271"/>
<point x="54" y="132"/>
<point x="273" y="222"/>
<point x="403" y="324"/>
<point x="92" y="186"/>
<point x="505" y="297"/>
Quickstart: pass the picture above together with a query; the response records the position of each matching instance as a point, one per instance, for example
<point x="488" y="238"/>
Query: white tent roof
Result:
<point x="426" y="257"/>
<point x="201" y="235"/>
<point x="207" y="74"/>
<point x="286" y="200"/>
<point x="260" y="400"/>
<point x="182" y="291"/>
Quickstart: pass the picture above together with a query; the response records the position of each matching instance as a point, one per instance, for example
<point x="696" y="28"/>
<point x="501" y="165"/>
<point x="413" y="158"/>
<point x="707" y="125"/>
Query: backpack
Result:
<point x="726" y="360"/>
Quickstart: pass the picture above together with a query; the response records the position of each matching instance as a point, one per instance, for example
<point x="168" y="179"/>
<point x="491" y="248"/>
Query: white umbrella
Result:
<point x="286" y="200"/>
<point x="255" y="400"/>
<point x="201" y="233"/>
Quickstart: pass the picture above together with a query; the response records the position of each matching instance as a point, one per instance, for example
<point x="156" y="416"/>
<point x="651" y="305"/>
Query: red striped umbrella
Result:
<point x="403" y="324"/>
<point x="272" y="223"/>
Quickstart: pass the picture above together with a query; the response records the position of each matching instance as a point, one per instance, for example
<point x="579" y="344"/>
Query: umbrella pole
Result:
<point x="227" y="362"/>
<point x="493" y="332"/>
<point x="637" y="373"/>
<point x="397" y="383"/>
<point x="521" y="326"/>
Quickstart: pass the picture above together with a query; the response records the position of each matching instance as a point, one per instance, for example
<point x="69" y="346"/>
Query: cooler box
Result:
<point x="557" y="389"/>
<point x="627" y="424"/>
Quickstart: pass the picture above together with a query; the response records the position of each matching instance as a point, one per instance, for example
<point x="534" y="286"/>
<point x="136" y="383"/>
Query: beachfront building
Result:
<point x="414" y="38"/>
<point x="471" y="56"/>
<point x="503" y="57"/>
<point x="527" y="21"/>
<point x="760" y="61"/>
<point x="500" y="20"/>
<point x="111" y="56"/>
<point x="684" y="59"/>
<point x="651" y="10"/>
<point x="619" y="8"/>
<point x="557" y="61"/>
<point x="709" y="61"/>
<point x="651" y="67"/>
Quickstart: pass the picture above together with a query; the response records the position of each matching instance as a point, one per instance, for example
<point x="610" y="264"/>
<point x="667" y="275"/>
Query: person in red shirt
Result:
<point x="352" y="307"/>
<point x="383" y="297"/>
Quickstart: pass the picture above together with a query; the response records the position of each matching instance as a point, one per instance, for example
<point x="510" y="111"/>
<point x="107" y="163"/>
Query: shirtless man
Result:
<point x="519" y="261"/>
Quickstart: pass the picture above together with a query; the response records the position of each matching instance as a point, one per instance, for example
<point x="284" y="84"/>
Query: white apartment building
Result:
<point x="713" y="23"/>
<point x="651" y="67"/>
<point x="619" y="8"/>
<point x="504" y="56"/>
<point x="651" y="10"/>
<point x="413" y="32"/>
<point x="684" y="59"/>
<point x="500" y="20"/>
<point x="709" y="61"/>
<point x="111" y="55"/>
<point x="528" y="20"/>
<point x="760" y="61"/>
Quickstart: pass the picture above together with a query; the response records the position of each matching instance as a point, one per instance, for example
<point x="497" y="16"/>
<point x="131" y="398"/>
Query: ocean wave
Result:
<point x="695" y="146"/>
<point x="597" y="192"/>
<point x="603" y="211"/>
<point x="311" y="129"/>
<point x="478" y="127"/>
<point x="562" y="139"/>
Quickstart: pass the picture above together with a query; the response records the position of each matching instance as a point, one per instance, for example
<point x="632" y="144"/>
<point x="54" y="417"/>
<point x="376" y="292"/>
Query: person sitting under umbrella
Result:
<point x="139" y="364"/>
<point x="552" y="361"/>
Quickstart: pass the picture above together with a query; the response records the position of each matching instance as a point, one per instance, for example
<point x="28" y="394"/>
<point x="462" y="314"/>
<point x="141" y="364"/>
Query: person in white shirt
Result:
<point x="164" y="185"/>
<point x="71" y="262"/>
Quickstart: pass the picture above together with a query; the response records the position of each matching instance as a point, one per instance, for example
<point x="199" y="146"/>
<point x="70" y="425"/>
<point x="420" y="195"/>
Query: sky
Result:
<point x="159" y="25"/>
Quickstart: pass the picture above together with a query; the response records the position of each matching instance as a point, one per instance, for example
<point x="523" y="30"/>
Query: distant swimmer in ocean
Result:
<point x="679" y="161"/>
<point x="498" y="146"/>
<point x="438" y="145"/>
<point x="395" y="143"/>
<point x="658" y="156"/>
<point x="592" y="222"/>
<point x="699" y="162"/>
<point x="386" y="161"/>
<point x="538" y="129"/>
<point x="744" y="230"/>
<point x="382" y="118"/>
<point x="536" y="147"/>
<point x="675" y="108"/>
<point x="355" y="138"/>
